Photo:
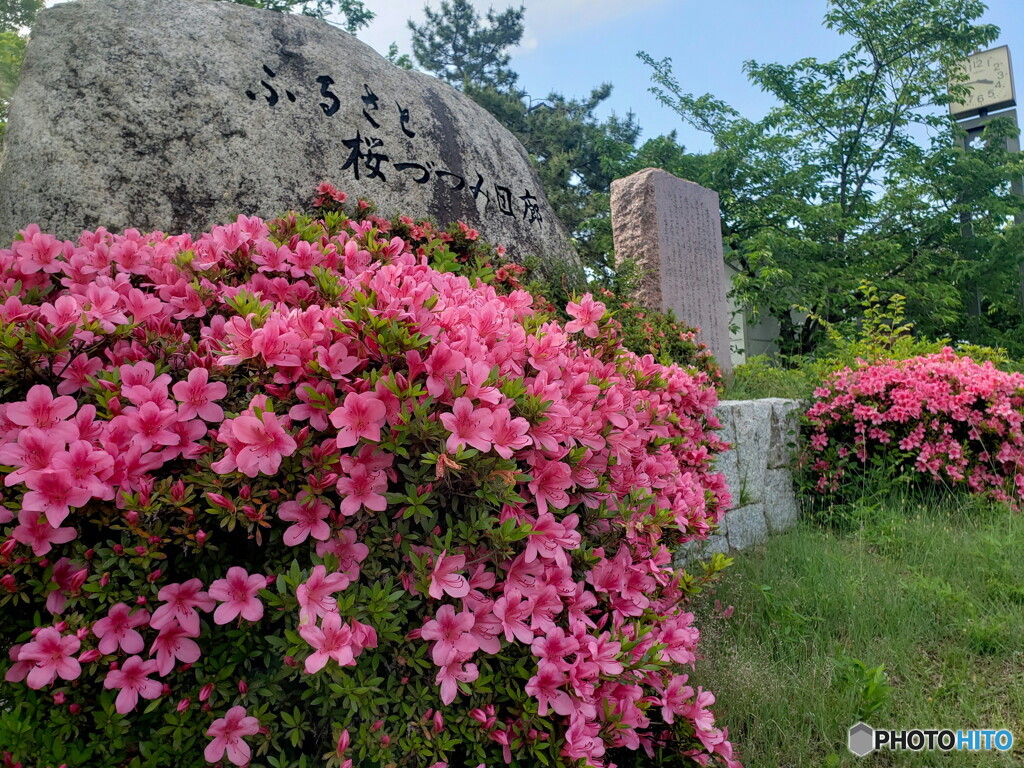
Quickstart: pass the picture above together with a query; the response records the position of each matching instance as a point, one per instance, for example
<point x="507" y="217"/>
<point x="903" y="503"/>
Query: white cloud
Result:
<point x="546" y="20"/>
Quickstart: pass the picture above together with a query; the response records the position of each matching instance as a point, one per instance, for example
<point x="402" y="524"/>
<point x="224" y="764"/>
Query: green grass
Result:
<point x="929" y="588"/>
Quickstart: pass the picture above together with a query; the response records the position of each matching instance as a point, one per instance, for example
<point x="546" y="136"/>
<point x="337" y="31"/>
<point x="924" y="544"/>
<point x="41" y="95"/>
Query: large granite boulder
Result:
<point x="179" y="114"/>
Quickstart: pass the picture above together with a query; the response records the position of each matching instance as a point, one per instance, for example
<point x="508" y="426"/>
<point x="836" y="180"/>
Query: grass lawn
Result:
<point x="929" y="587"/>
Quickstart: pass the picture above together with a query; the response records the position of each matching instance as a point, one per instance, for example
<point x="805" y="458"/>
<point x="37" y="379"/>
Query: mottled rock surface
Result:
<point x="672" y="229"/>
<point x="180" y="114"/>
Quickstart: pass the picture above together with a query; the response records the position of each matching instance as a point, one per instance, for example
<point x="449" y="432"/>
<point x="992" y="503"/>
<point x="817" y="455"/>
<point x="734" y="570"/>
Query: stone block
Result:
<point x="747" y="526"/>
<point x="781" y="508"/>
<point x="671" y="229"/>
<point x="752" y="419"/>
<point x="697" y="551"/>
<point x="785" y="432"/>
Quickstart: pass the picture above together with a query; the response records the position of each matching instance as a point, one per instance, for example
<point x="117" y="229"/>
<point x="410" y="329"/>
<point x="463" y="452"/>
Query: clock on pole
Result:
<point x="989" y="77"/>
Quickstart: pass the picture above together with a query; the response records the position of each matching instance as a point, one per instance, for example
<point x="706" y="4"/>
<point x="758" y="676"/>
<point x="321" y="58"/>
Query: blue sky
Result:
<point x="573" y="45"/>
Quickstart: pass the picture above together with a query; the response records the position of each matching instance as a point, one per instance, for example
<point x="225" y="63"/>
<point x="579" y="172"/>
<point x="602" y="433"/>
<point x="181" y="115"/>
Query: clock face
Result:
<point x="990" y="79"/>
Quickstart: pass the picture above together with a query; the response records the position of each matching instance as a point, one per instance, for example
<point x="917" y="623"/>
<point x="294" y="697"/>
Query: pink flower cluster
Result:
<point x="320" y="390"/>
<point x="942" y="416"/>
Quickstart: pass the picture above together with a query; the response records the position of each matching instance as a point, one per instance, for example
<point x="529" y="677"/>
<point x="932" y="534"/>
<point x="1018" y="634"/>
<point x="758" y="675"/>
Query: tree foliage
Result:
<point x="455" y="44"/>
<point x="356" y="14"/>
<point x="856" y="175"/>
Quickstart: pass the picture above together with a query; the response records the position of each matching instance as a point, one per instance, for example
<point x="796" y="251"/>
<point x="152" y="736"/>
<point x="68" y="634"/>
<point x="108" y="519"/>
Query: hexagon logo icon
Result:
<point x="860" y="739"/>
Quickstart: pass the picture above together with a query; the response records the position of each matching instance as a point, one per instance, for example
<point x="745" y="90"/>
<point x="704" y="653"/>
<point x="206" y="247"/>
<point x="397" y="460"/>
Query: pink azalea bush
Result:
<point x="310" y="492"/>
<point x="939" y="417"/>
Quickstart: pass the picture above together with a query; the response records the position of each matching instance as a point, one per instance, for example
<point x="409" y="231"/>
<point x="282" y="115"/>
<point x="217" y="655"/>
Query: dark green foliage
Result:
<point x="455" y="45"/>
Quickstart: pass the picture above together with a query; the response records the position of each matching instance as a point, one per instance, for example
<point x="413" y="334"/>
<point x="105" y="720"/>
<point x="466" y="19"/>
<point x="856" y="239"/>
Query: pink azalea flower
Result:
<point x="53" y="494"/>
<point x="264" y="443"/>
<point x="331" y="640"/>
<point x="237" y="594"/>
<point x="583" y="740"/>
<point x="132" y="681"/>
<point x="350" y="553"/>
<point x="117" y="629"/>
<point x="450" y="675"/>
<point x="37" y="251"/>
<point x="513" y="611"/>
<point x="174" y="643"/>
<point x="360" y="417"/>
<point x="445" y="577"/>
<point x="197" y="395"/>
<point x="452" y="634"/>
<point x="468" y="425"/>
<point x="309" y="517"/>
<point x="40" y="409"/>
<point x="315" y="595"/>
<point x="52" y="656"/>
<point x="675" y="699"/>
<point x="509" y="434"/>
<point x="227" y="733"/>
<point x="181" y="602"/>
<point x="362" y="488"/>
<point x="550" y="482"/>
<point x="585" y="314"/>
<point x="33" y="530"/>
<point x="545" y="687"/>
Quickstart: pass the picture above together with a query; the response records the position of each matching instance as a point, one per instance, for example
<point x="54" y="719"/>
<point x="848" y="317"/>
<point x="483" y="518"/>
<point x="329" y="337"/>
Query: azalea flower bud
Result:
<point x="243" y="687"/>
<point x="438" y="722"/>
<point x="154" y="539"/>
<point x="184" y="704"/>
<point x="82" y="632"/>
<point x="140" y="550"/>
<point x="131" y="516"/>
<point x="376" y="726"/>
<point x="220" y="501"/>
<point x="104" y="579"/>
<point x="8" y="582"/>
<point x="178" y="491"/>
<point x="152" y="578"/>
<point x="343" y="742"/>
<point x="118" y="550"/>
<point x="275" y="495"/>
<point x="205" y="691"/>
<point x="141" y="600"/>
<point x="44" y="562"/>
<point x="58" y="697"/>
<point x="88" y="657"/>
<point x="74" y="709"/>
<point x="245" y="492"/>
<point x="385" y="740"/>
<point x="61" y="626"/>
<point x="289" y="661"/>
<point x="166" y="690"/>
<point x="201" y="537"/>
<point x="8" y="547"/>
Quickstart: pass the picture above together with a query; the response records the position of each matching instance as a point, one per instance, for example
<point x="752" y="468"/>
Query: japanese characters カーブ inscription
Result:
<point x="368" y="157"/>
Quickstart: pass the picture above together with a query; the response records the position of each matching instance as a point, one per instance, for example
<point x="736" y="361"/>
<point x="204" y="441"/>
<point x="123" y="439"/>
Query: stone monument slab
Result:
<point x="180" y="114"/>
<point x="671" y="228"/>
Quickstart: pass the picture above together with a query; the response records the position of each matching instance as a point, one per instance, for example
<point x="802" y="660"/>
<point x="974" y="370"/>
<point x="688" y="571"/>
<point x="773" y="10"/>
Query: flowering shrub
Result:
<point x="937" y="416"/>
<point x="304" y="493"/>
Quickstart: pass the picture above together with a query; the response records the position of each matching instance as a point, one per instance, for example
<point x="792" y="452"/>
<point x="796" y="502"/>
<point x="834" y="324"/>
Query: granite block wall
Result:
<point x="758" y="470"/>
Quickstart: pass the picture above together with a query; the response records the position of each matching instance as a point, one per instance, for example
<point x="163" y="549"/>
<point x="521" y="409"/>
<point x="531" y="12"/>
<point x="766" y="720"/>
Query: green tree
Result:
<point x="456" y="45"/>
<point x="835" y="184"/>
<point x="15" y="17"/>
